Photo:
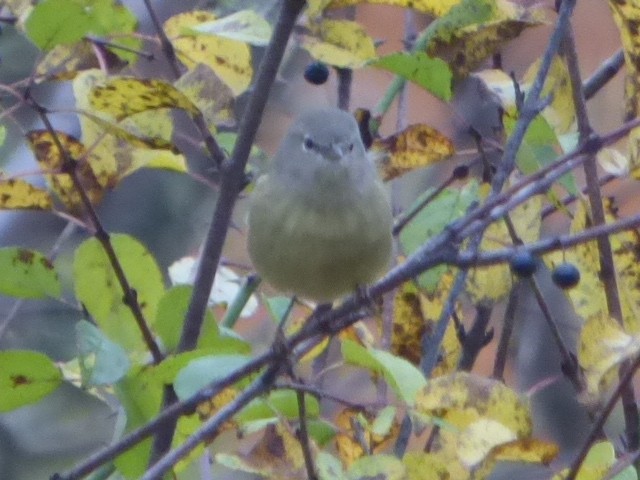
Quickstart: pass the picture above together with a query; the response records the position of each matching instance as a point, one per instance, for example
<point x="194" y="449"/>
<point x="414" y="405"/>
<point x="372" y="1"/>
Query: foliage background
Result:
<point x="169" y="213"/>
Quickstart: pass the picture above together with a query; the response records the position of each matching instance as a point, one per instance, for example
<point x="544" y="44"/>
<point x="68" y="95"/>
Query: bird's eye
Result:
<point x="350" y="147"/>
<point x="308" y="144"/>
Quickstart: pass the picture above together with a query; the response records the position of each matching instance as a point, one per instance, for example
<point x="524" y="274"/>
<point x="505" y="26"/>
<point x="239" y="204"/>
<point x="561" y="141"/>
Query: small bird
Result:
<point x="320" y="219"/>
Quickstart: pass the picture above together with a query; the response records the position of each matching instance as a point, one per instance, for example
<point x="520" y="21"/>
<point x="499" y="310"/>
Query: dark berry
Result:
<point x="523" y="264"/>
<point x="566" y="275"/>
<point x="316" y="73"/>
<point x="460" y="172"/>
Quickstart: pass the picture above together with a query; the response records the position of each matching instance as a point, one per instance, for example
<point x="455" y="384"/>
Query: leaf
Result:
<point x="603" y="346"/>
<point x="436" y="8"/>
<point x="405" y="379"/>
<point x="432" y="74"/>
<point x="597" y="464"/>
<point x="121" y="147"/>
<point x="361" y="432"/>
<point x="626" y="15"/>
<point x="229" y="59"/>
<point x="450" y="204"/>
<point x="494" y="282"/>
<point x="414" y="147"/>
<point x="210" y="94"/>
<point x="98" y="288"/>
<point x="102" y="361"/>
<point x="341" y="43"/>
<point x="244" y="25"/>
<point x="463" y="398"/>
<point x="385" y="467"/>
<point x="277" y="454"/>
<point x="55" y="22"/>
<point x="122" y="97"/>
<point x="588" y="297"/>
<point x="27" y="274"/>
<point x="415" y="313"/>
<point x="52" y="162"/>
<point x="473" y="30"/>
<point x="16" y="194"/>
<point x="204" y="370"/>
<point x="26" y="377"/>
<point x="278" y="404"/>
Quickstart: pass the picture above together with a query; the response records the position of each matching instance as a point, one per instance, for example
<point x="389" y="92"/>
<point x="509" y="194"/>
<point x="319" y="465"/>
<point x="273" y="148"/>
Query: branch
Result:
<point x="130" y="297"/>
<point x="232" y="182"/>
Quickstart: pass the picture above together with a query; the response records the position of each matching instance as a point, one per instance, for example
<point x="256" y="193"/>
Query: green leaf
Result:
<point x="56" y="22"/>
<point x="279" y="403"/>
<point x="27" y="274"/>
<point x="26" y="377"/>
<point x="376" y="466"/>
<point x="277" y="307"/>
<point x="102" y="361"/>
<point x="405" y="379"/>
<point x="203" y="371"/>
<point x="97" y="287"/>
<point x="432" y="74"/>
<point x="450" y="204"/>
<point x="539" y="149"/>
<point x="329" y="467"/>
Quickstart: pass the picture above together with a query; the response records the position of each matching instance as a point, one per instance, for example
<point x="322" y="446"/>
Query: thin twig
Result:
<point x="505" y="335"/>
<point x="303" y="436"/>
<point x="130" y="297"/>
<point x="609" y="68"/>
<point x="259" y="386"/>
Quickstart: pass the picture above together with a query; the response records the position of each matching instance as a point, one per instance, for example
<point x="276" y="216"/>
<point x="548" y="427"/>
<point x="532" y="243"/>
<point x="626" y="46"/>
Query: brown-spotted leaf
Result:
<point x="122" y="97"/>
<point x="473" y="30"/>
<point x="16" y="194"/>
<point x="212" y="96"/>
<point x="415" y="147"/>
<point x="416" y="312"/>
<point x="230" y="59"/>
<point x="277" y="455"/>
<point x="626" y="14"/>
<point x="359" y="435"/>
<point x="53" y="163"/>
<point x="341" y="43"/>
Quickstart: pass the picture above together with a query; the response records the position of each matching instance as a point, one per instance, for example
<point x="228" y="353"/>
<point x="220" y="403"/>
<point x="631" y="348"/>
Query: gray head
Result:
<point x="318" y="139"/>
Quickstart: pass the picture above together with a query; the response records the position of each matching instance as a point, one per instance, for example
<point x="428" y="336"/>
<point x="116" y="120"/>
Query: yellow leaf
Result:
<point x="52" y="162"/>
<point x="212" y="96"/>
<point x="416" y="146"/>
<point x="436" y="8"/>
<point x="244" y="25"/>
<point x="64" y="61"/>
<point x="341" y="43"/>
<point x="494" y="282"/>
<point x="122" y="97"/>
<point x="479" y="438"/>
<point x="210" y="407"/>
<point x="357" y="436"/>
<point x="463" y="398"/>
<point x="588" y="297"/>
<point x="626" y="14"/>
<point x="417" y="463"/>
<point x="596" y="465"/>
<point x="16" y="194"/>
<point x="118" y="148"/>
<point x="229" y="59"/>
<point x="613" y="162"/>
<point x="415" y="313"/>
<point x="603" y="346"/>
<point x="560" y="114"/>
<point x="476" y="29"/>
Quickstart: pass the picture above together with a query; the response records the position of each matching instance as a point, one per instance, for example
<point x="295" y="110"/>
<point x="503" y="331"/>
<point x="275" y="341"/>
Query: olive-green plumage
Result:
<point x="320" y="220"/>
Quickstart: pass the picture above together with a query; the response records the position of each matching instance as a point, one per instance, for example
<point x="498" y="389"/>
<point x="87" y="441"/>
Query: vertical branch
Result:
<point x="232" y="182"/>
<point x="607" y="266"/>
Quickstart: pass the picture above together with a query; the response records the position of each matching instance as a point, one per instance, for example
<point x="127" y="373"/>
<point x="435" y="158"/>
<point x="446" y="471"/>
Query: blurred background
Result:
<point x="170" y="212"/>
